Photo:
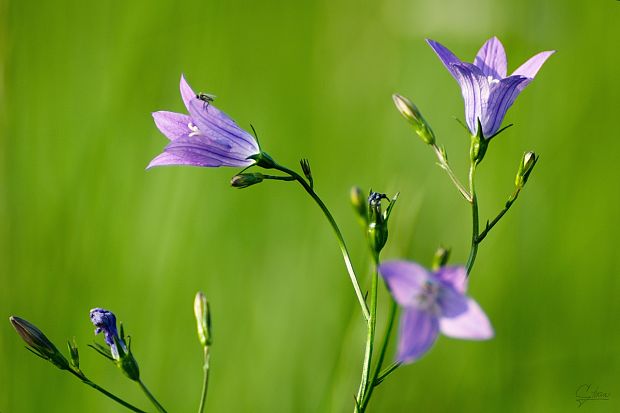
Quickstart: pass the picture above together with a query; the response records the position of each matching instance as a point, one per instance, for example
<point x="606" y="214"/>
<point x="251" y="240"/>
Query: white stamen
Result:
<point x="194" y="129"/>
<point x="492" y="80"/>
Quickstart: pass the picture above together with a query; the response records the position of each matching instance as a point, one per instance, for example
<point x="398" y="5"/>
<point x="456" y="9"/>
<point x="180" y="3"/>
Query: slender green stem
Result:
<point x="152" y="398"/>
<point x="382" y="376"/>
<point x="117" y="399"/>
<point x="474" y="212"/>
<point x="382" y="351"/>
<point x="443" y="163"/>
<point x="279" y="178"/>
<point x="205" y="383"/>
<point x="365" y="382"/>
<point x="499" y="216"/>
<point x="341" y="243"/>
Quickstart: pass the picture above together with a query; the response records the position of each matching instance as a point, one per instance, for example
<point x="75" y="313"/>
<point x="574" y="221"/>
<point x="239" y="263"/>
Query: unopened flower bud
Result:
<point x="359" y="203"/>
<point x="38" y="343"/>
<point x="525" y="168"/>
<point x="415" y="118"/>
<point x="246" y="179"/>
<point x="441" y="258"/>
<point x="203" y="319"/>
<point x="378" y="220"/>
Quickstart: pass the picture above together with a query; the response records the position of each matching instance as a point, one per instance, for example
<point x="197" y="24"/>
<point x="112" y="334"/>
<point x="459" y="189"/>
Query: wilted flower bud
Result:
<point x="75" y="355"/>
<point x="245" y="180"/>
<point x="203" y="319"/>
<point x="105" y="321"/>
<point x="38" y="343"/>
<point x="525" y="168"/>
<point x="441" y="258"/>
<point x="415" y="118"/>
<point x="378" y="220"/>
<point x="305" y="167"/>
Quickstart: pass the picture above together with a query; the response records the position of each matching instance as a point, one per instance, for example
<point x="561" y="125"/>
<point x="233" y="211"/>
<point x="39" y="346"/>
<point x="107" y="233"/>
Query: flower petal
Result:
<point x="404" y="279"/>
<point x="472" y="324"/>
<point x="209" y="151"/>
<point x="502" y="96"/>
<point x="213" y="122"/>
<point x="475" y="91"/>
<point x="446" y="56"/>
<point x="417" y="332"/>
<point x="187" y="94"/>
<point x="491" y="59"/>
<point x="533" y="65"/>
<point x="455" y="276"/>
<point x="173" y="125"/>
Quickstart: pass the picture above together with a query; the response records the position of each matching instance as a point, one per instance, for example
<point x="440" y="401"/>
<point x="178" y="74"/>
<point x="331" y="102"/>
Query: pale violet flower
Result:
<point x="206" y="137"/>
<point x="432" y="302"/>
<point x="487" y="91"/>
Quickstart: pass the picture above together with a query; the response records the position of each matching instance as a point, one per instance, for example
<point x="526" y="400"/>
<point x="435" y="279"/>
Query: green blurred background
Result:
<point x="82" y="224"/>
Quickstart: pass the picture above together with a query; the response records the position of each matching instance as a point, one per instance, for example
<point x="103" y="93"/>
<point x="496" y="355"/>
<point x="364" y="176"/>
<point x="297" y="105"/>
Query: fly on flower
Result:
<point x="486" y="90"/>
<point x="203" y="138"/>
<point x="206" y="98"/>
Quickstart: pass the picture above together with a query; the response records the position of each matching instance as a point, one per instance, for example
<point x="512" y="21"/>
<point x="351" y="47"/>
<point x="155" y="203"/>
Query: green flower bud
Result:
<point x="525" y="168"/>
<point x="203" y="319"/>
<point x="415" y="118"/>
<point x="38" y="343"/>
<point x="245" y="180"/>
<point x="359" y="203"/>
<point x="378" y="220"/>
<point x="441" y="258"/>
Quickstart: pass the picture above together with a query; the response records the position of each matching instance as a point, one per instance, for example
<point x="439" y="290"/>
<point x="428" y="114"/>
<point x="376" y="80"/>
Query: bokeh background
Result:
<point x="82" y="224"/>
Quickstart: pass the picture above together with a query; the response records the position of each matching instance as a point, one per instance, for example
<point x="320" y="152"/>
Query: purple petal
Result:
<point x="502" y="96"/>
<point x="404" y="279"/>
<point x="533" y="65"/>
<point x="472" y="324"/>
<point x="451" y="302"/>
<point x="208" y="151"/>
<point x="172" y="125"/>
<point x="475" y="91"/>
<point x="213" y="122"/>
<point x="169" y="159"/>
<point x="417" y="333"/>
<point x="446" y="56"/>
<point x="187" y="94"/>
<point x="455" y="276"/>
<point x="491" y="59"/>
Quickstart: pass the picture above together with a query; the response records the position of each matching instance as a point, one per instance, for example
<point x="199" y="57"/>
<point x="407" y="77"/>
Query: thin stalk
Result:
<point x="365" y="382"/>
<point x="443" y="163"/>
<point x="117" y="399"/>
<point x="383" y="349"/>
<point x="341" y="243"/>
<point x="499" y="216"/>
<point x="152" y="398"/>
<point x="474" y="213"/>
<point x="205" y="383"/>
<point x="387" y="372"/>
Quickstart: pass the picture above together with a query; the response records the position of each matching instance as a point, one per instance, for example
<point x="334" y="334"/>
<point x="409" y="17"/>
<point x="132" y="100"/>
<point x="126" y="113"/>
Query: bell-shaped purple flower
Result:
<point x="206" y="137"/>
<point x="432" y="302"/>
<point x="487" y="91"/>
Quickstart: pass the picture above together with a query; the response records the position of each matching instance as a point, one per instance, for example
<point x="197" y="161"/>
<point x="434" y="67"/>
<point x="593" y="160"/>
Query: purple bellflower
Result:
<point x="105" y="321"/>
<point x="487" y="91"/>
<point x="206" y="137"/>
<point x="432" y="302"/>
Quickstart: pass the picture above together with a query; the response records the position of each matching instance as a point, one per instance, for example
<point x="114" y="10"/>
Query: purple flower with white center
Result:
<point x="206" y="137"/>
<point x="432" y="302"/>
<point x="486" y="90"/>
<point x="105" y="321"/>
